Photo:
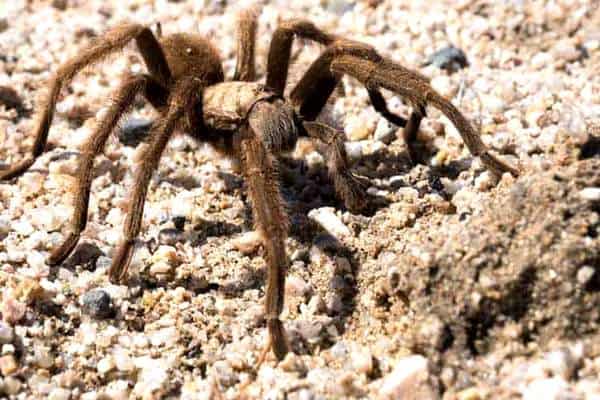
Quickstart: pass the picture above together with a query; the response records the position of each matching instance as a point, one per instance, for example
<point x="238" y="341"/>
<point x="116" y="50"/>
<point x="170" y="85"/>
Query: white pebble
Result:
<point x="408" y="380"/>
<point x="325" y="216"/>
<point x="59" y="394"/>
<point x="590" y="193"/>
<point x="105" y="365"/>
<point x="547" y="389"/>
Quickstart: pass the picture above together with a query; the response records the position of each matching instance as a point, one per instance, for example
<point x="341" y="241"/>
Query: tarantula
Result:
<point x="249" y="121"/>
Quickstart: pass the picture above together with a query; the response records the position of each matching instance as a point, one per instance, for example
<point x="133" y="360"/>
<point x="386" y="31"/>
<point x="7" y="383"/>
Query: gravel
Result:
<point x="453" y="284"/>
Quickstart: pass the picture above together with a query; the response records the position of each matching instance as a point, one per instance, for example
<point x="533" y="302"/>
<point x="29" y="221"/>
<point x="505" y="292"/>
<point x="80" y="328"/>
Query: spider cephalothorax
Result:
<point x="249" y="121"/>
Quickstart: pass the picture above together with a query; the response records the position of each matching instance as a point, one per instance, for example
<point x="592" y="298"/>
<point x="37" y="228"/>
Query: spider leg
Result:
<point x="376" y="71"/>
<point x="245" y="69"/>
<point x="278" y="60"/>
<point x="185" y="95"/>
<point x="350" y="189"/>
<point x="122" y="102"/>
<point x="260" y="170"/>
<point x="278" y="66"/>
<point x="364" y="64"/>
<point x="114" y="40"/>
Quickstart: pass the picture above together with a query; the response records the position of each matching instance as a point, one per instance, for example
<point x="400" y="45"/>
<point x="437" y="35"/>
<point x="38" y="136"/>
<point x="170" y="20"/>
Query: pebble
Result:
<point x="98" y="304"/>
<point x="359" y="128"/>
<point x="449" y="58"/>
<point x="59" y="394"/>
<point x="134" y="131"/>
<point x="561" y="363"/>
<point x="43" y="357"/>
<point x="585" y="274"/>
<point x="326" y="217"/>
<point x="170" y="236"/>
<point x="12" y="386"/>
<point x="86" y="255"/>
<point x="8" y="365"/>
<point x="151" y="380"/>
<point x="7" y="334"/>
<point x="9" y="98"/>
<point x="12" y="310"/>
<point x="296" y="286"/>
<point x="105" y="365"/>
<point x="408" y="380"/>
<point x="362" y="361"/>
<point x="248" y="242"/>
<point x="590" y="193"/>
<point x="547" y="389"/>
<point x="385" y="131"/>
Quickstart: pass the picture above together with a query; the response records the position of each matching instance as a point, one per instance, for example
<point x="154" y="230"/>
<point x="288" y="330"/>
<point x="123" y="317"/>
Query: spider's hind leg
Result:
<point x="114" y="40"/>
<point x="348" y="187"/>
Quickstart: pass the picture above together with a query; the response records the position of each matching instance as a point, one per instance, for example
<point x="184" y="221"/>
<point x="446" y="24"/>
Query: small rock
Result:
<point x="12" y="310"/>
<point x="354" y="150"/>
<point x="409" y="380"/>
<point x="449" y="58"/>
<point x="590" y="193"/>
<point x="151" y="380"/>
<point x="161" y="268"/>
<point x="9" y="98"/>
<point x="7" y="334"/>
<point x="85" y="255"/>
<point x="585" y="274"/>
<point x="541" y="60"/>
<point x="359" y="128"/>
<point x="362" y="361"/>
<point x="3" y="24"/>
<point x="8" y="365"/>
<point x="43" y="357"/>
<point x="325" y="216"/>
<point x="105" y="365"/>
<point x="98" y="304"/>
<point x="59" y="394"/>
<point x="134" y="131"/>
<point x="170" y="236"/>
<point x="547" y="389"/>
<point x="12" y="386"/>
<point x="469" y="394"/>
<point x="60" y="4"/>
<point x="561" y="363"/>
<point x="385" y="131"/>
<point x="296" y="286"/>
<point x="248" y="242"/>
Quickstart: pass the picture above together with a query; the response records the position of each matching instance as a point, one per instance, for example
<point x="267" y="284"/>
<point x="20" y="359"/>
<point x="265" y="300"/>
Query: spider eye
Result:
<point x="188" y="50"/>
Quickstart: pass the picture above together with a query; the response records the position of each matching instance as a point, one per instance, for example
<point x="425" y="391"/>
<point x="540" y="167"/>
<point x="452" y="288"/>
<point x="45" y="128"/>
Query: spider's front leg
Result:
<point x="121" y="103"/>
<point x="260" y="170"/>
<point x="112" y="41"/>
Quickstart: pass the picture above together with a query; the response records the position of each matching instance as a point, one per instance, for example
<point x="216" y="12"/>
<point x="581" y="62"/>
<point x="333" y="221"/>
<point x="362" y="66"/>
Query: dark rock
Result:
<point x="449" y="58"/>
<point x="85" y="255"/>
<point x="60" y="4"/>
<point x="98" y="304"/>
<point x="10" y="98"/>
<point x="178" y="222"/>
<point x="134" y="131"/>
<point x="3" y="24"/>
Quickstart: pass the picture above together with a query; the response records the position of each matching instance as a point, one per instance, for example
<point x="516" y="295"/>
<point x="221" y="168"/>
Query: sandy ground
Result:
<point x="453" y="285"/>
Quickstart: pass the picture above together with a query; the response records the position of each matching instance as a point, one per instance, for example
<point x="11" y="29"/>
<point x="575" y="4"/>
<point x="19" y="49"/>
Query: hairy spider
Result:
<point x="249" y="121"/>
